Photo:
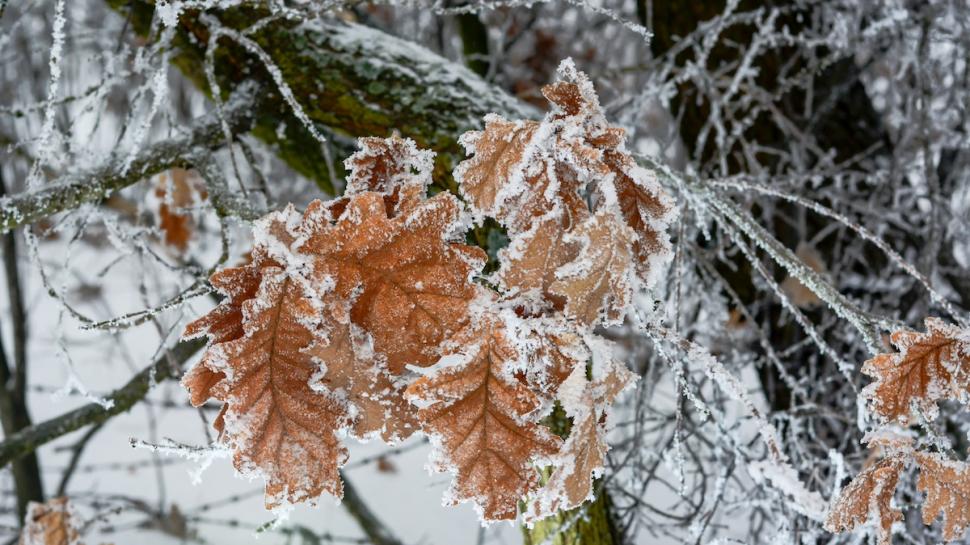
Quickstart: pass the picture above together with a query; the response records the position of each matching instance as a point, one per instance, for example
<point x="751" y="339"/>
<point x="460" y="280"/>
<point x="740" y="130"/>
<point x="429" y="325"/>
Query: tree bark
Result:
<point x="349" y="79"/>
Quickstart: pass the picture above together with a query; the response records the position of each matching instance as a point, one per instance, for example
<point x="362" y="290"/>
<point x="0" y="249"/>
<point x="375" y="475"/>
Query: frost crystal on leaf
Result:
<point x="928" y="368"/>
<point x="483" y="418"/>
<point x="869" y="496"/>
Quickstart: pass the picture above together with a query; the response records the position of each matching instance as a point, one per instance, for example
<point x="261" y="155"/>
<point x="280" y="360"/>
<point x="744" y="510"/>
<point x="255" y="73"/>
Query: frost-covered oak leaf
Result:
<point x="393" y="166"/>
<point x="483" y="420"/>
<point x="277" y="426"/>
<point x="409" y="285"/>
<point x="512" y="175"/>
<point x="598" y="283"/>
<point x="928" y="367"/>
<point x="221" y="324"/>
<point x="51" y="523"/>
<point x="946" y="484"/>
<point x="869" y="496"/>
<point x="537" y="178"/>
<point x="583" y="454"/>
<point x="385" y="164"/>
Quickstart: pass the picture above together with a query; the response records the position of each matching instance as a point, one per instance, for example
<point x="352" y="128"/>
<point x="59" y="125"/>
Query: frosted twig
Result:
<point x="858" y="229"/>
<point x="72" y="190"/>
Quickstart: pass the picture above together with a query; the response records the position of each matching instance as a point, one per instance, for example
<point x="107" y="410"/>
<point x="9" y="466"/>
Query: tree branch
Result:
<point x="72" y="190"/>
<point x="349" y="78"/>
<point x="29" y="439"/>
<point x="373" y="528"/>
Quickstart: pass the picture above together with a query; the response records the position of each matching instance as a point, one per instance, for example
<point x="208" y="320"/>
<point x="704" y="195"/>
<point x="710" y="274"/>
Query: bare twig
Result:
<point x="29" y="439"/>
<point x="378" y="533"/>
<point x="72" y="190"/>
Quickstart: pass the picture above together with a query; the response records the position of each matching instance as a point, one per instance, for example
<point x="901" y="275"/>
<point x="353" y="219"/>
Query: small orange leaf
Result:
<point x="387" y="164"/>
<point x="50" y="523"/>
<point x="174" y="195"/>
<point x="870" y="494"/>
<point x="799" y="293"/>
<point x="928" y="368"/>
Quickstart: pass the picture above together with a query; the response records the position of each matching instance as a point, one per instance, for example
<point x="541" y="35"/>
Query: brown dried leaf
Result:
<point x="386" y="164"/>
<point x="409" y="285"/>
<point x="869" y="495"/>
<point x="484" y="421"/>
<point x="385" y="465"/>
<point x="583" y="454"/>
<point x="50" y="523"/>
<point x="499" y="151"/>
<point x="799" y="293"/>
<point x="276" y="425"/>
<point x="947" y="487"/>
<point x="221" y="324"/>
<point x="598" y="284"/>
<point x="534" y="177"/>
<point x="508" y="178"/>
<point x="929" y="367"/>
<point x="176" y="225"/>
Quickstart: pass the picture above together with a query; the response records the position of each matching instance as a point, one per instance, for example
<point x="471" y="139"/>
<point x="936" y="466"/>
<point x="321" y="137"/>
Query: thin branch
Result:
<point x="373" y="528"/>
<point x="72" y="190"/>
<point x="76" y="451"/>
<point x="700" y="196"/>
<point x="29" y="439"/>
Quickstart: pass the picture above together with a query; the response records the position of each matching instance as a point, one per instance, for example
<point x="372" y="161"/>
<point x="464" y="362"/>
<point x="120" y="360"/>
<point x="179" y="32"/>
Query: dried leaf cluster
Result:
<point x="928" y="368"/>
<point x="367" y="315"/>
